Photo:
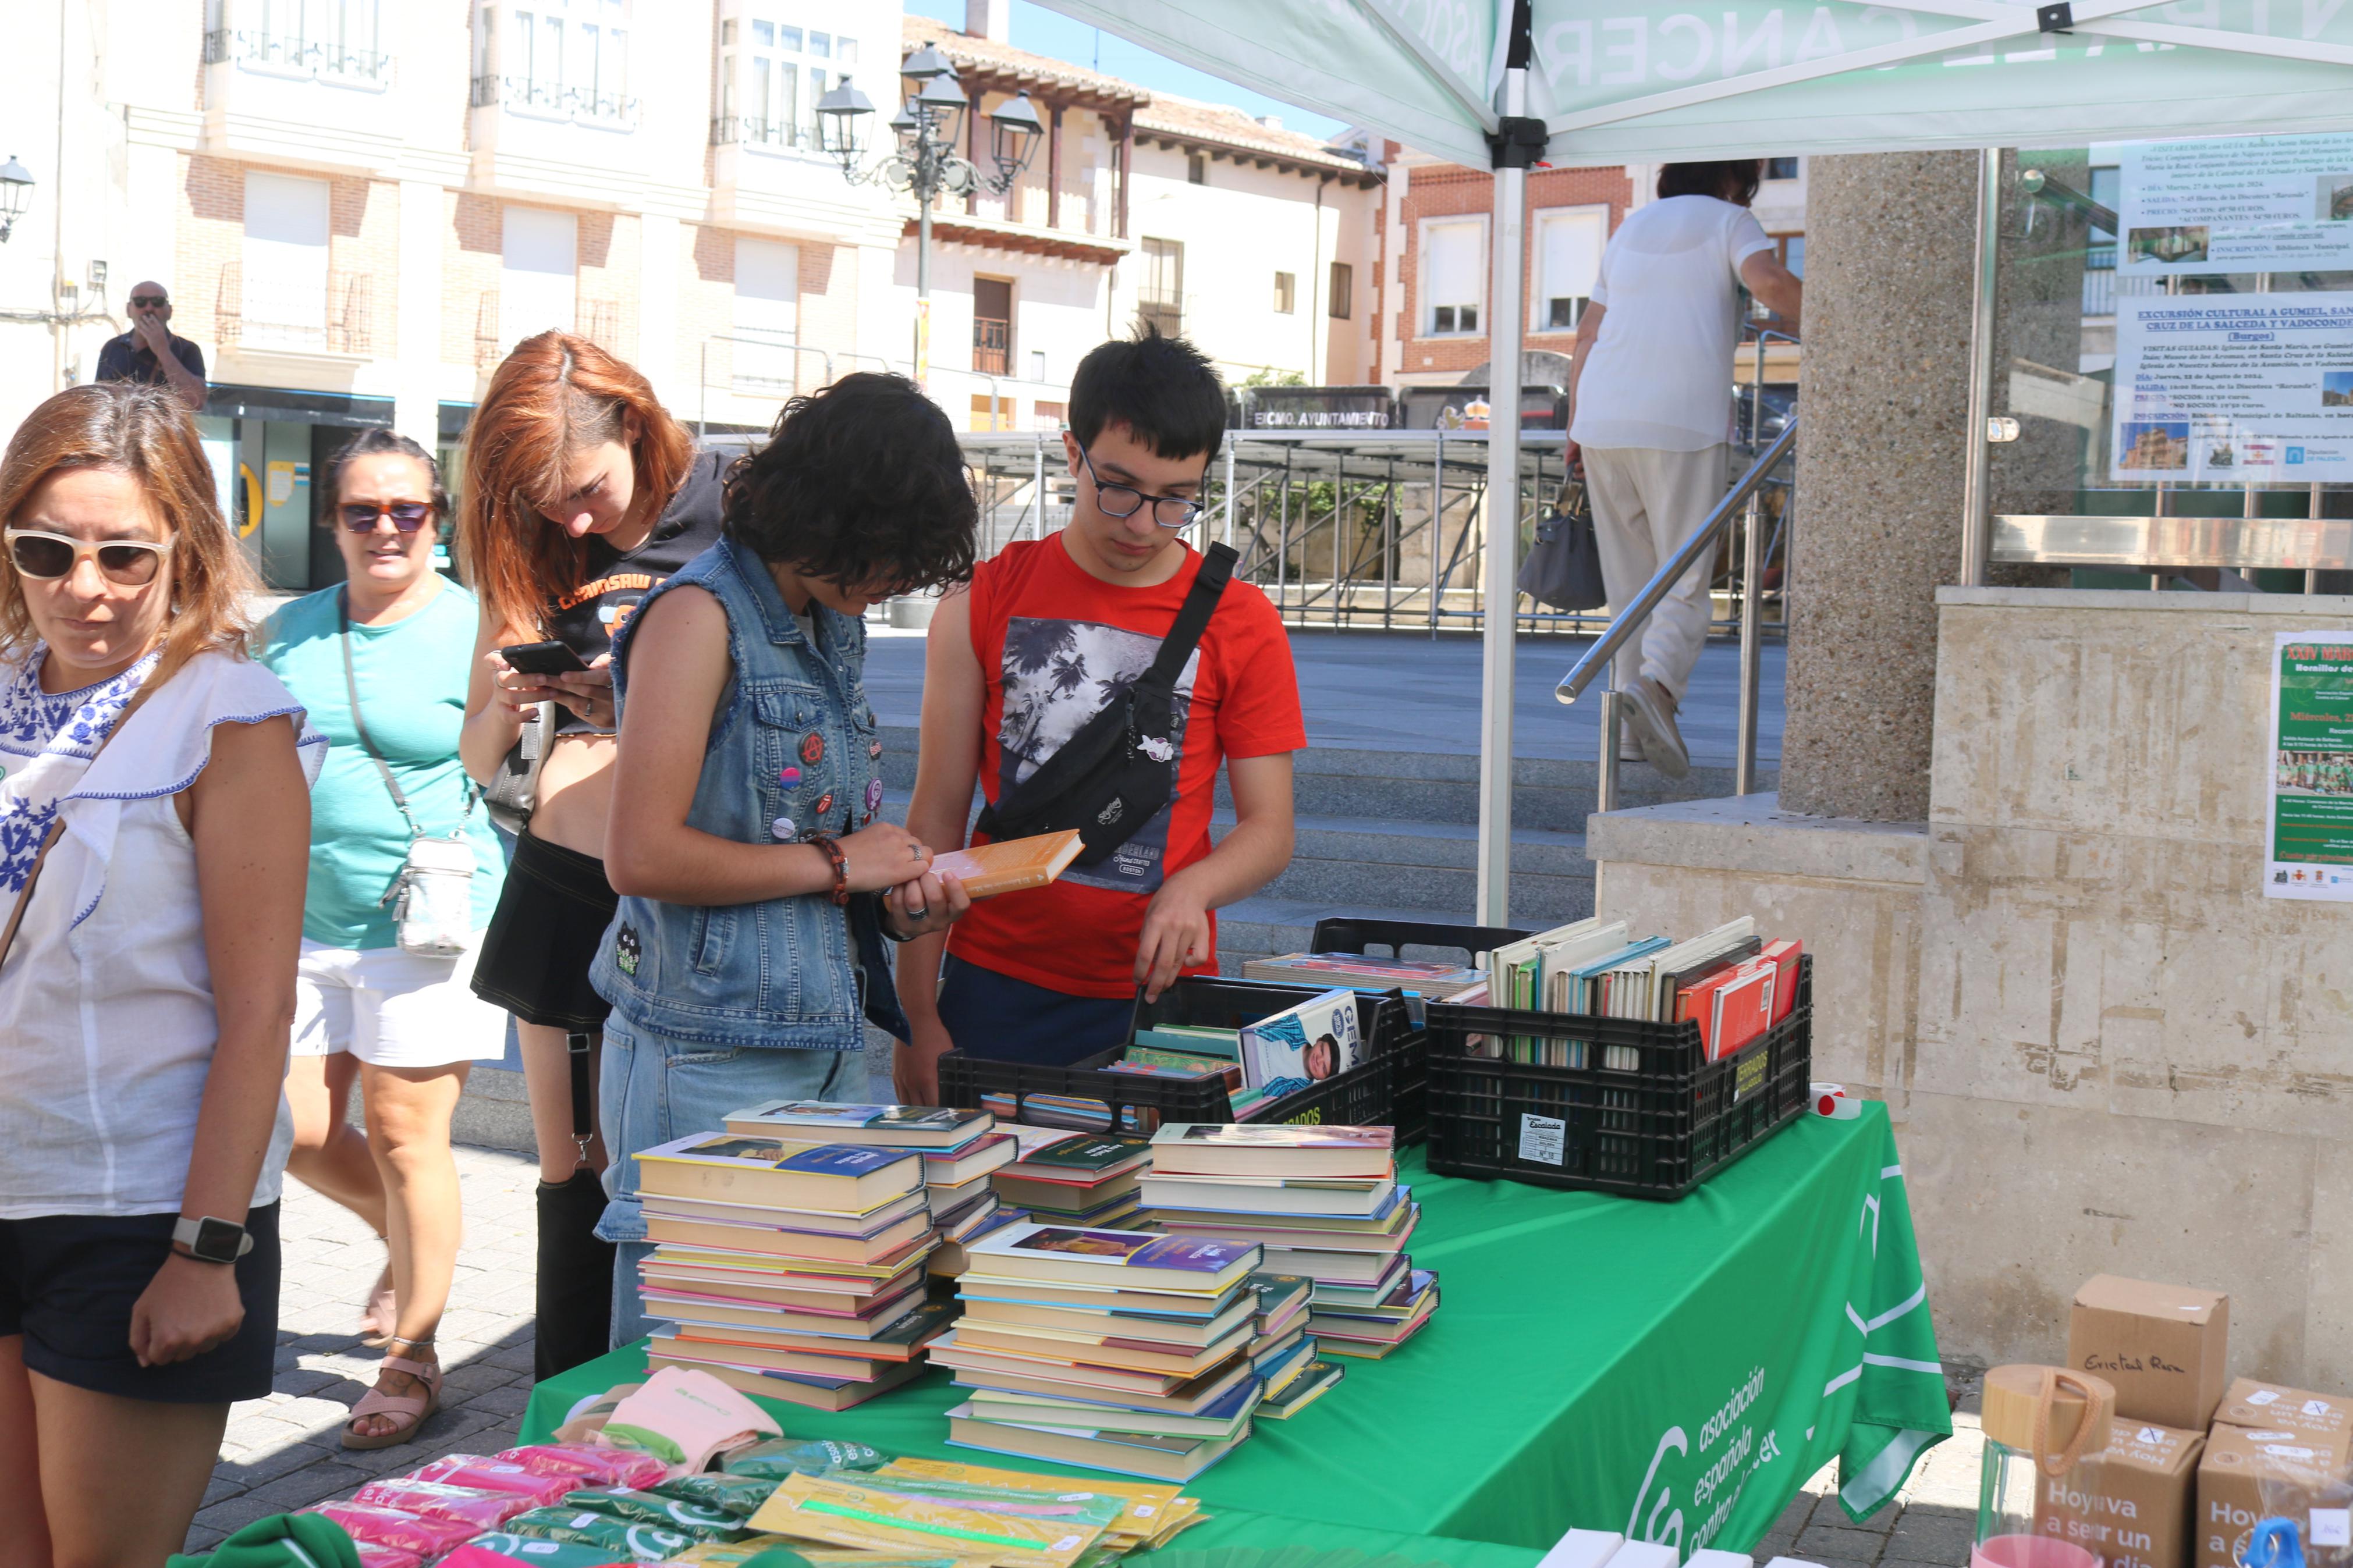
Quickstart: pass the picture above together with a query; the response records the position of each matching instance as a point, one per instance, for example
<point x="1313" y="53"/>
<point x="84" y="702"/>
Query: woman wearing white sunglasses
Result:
<point x="154" y="822"/>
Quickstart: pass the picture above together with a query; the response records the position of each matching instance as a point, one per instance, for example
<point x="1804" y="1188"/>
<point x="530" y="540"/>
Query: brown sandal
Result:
<point x="409" y="1411"/>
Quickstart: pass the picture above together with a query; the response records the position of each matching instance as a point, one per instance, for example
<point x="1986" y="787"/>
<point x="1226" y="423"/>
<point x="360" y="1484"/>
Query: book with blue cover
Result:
<point x="1128" y="1259"/>
<point x="1302" y="1045"/>
<point x="838" y="1178"/>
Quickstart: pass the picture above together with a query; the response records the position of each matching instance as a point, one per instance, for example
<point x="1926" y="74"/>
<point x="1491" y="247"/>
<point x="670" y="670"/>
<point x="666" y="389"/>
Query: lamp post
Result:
<point x="15" y="185"/>
<point x="926" y="164"/>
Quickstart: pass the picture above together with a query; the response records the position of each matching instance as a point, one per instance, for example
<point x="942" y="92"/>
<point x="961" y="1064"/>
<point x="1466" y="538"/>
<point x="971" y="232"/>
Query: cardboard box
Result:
<point x="2130" y="1504"/>
<point x="2230" y="1483"/>
<point x="2163" y="1346"/>
<point x="2267" y="1404"/>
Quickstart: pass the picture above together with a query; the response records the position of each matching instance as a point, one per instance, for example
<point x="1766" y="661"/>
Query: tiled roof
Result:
<point x="1020" y="68"/>
<point x="1223" y="125"/>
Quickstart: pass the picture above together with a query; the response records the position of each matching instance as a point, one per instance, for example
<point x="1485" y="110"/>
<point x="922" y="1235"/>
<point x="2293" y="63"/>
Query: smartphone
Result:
<point x="543" y="658"/>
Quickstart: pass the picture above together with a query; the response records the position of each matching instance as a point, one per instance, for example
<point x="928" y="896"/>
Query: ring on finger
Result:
<point x="918" y="911"/>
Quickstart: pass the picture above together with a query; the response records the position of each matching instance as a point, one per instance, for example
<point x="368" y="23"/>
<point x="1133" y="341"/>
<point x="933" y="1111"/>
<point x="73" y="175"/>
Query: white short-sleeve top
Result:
<point x="107" y="1024"/>
<point x="1660" y="375"/>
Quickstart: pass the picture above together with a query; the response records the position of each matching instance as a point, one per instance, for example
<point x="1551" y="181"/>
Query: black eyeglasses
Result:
<point x="149" y="300"/>
<point x="408" y="516"/>
<point x="1121" y="501"/>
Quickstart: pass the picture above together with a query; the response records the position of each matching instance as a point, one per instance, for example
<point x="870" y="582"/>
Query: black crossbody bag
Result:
<point x="1109" y="779"/>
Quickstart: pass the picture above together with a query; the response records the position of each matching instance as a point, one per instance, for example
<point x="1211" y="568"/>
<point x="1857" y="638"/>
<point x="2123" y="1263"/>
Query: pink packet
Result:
<point x="496" y="1475"/>
<point x="605" y="1466"/>
<point x="366" y="1524"/>
<point x="435" y="1499"/>
<point x="375" y="1556"/>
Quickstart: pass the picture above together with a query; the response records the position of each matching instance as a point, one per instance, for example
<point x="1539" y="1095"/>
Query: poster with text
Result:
<point x="2309" y="835"/>
<point x="2241" y="204"/>
<point x="2234" y="388"/>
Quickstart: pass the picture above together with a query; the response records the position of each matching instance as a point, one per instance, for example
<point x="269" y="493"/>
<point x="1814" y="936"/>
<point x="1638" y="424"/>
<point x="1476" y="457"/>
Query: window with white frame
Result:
<point x="1453" y="271"/>
<point x="336" y="40"/>
<point x="773" y="67"/>
<point x="538" y="274"/>
<point x="768" y="316"/>
<point x="564" y="58"/>
<point x="283" y="259"/>
<point x="1569" y="259"/>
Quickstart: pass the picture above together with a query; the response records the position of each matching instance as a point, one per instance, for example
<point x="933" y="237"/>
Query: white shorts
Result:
<point x="394" y="1009"/>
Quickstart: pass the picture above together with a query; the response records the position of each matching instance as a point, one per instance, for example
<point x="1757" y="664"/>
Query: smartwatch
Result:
<point x="209" y="1240"/>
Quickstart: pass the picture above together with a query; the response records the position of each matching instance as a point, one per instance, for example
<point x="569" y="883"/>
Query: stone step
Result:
<point x="1428" y="787"/>
<point x="1342" y="861"/>
<point x="1264" y="925"/>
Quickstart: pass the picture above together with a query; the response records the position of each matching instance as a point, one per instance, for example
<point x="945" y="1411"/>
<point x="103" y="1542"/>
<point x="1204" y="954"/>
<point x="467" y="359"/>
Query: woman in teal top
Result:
<point x="405" y="1025"/>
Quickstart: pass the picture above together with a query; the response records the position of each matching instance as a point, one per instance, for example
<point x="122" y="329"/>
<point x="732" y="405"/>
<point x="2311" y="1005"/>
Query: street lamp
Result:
<point x="16" y="186"/>
<point x="926" y="164"/>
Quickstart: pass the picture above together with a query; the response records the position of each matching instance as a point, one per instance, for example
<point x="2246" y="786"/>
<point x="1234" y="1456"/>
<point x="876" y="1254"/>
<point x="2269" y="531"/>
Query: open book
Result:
<point x="988" y="869"/>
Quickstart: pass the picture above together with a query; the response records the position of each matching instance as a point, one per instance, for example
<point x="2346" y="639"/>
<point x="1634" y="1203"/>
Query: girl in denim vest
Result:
<point x="760" y="886"/>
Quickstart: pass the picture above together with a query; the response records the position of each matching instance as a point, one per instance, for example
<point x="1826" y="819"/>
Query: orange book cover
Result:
<point x="988" y="869"/>
<point x="1784" y="954"/>
<point x="1742" y="1008"/>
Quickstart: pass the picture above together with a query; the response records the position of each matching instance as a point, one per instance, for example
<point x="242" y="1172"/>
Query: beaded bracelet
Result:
<point x="833" y="848"/>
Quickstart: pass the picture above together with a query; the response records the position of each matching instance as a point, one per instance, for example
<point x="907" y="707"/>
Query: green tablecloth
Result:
<point x="1672" y="1371"/>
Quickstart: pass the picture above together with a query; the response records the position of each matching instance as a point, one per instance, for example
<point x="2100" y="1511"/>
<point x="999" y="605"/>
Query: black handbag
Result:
<point x="1120" y="768"/>
<point x="1564" y="565"/>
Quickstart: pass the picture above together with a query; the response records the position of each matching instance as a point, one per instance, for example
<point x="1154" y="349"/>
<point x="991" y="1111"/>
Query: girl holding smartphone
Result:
<point x="581" y="494"/>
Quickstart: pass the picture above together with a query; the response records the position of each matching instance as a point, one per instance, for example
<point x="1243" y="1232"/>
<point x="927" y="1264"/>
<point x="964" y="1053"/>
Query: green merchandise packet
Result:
<point x="781" y="1457"/>
<point x="739" y="1495"/>
<point x="663" y="1512"/>
<point x="616" y="1537"/>
<point x="541" y="1553"/>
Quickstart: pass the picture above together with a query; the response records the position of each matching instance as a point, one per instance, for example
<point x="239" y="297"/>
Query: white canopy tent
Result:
<point x="1507" y="83"/>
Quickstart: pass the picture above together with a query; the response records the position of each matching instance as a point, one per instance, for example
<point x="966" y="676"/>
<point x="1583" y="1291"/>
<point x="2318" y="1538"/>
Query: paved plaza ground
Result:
<point x="282" y="1452"/>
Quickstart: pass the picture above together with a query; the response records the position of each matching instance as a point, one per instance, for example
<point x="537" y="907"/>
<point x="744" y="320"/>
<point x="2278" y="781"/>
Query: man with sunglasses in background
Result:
<point x="150" y="351"/>
<point x="1049" y="632"/>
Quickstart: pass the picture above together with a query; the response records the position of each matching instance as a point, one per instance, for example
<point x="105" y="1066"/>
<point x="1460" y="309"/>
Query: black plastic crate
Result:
<point x="1363" y="1096"/>
<point x="1644" y="1114"/>
<point x="1349" y="933"/>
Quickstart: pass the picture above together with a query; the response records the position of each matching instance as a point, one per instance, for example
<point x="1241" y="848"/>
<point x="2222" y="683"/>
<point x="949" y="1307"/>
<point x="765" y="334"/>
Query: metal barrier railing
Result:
<point x="1702" y="542"/>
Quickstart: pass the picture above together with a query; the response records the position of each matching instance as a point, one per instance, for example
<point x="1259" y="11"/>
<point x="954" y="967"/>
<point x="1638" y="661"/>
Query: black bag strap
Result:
<point x="1087" y="747"/>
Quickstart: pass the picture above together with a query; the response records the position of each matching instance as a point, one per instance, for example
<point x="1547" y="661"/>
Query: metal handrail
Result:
<point x="1596" y="658"/>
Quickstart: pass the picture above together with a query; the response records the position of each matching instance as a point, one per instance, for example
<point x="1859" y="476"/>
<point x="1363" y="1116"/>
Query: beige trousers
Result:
<point x="1645" y="504"/>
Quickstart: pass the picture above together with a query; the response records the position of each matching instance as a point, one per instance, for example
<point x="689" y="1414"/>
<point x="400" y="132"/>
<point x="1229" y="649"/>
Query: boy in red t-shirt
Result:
<point x="1049" y="631"/>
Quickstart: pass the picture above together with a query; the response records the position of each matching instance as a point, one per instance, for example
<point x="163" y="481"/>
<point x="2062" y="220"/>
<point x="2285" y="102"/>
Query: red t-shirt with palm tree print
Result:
<point x="1054" y="645"/>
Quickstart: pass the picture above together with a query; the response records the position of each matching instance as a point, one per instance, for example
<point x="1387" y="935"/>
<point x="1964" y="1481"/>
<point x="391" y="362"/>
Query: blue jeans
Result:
<point x="653" y="1090"/>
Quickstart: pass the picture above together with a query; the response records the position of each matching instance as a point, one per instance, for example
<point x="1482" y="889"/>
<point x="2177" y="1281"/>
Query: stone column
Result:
<point x="1885" y="381"/>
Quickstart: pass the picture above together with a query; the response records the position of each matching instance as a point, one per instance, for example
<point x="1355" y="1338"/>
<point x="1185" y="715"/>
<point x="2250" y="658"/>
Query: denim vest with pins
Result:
<point x="793" y="750"/>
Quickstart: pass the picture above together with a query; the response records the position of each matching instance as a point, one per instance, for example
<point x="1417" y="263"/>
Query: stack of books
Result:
<point x="1438" y="981"/>
<point x="1283" y="1350"/>
<point x="1109" y="1349"/>
<point x="1732" y="983"/>
<point x="788" y="1270"/>
<point x="1324" y="1203"/>
<point x="1084" y="1181"/>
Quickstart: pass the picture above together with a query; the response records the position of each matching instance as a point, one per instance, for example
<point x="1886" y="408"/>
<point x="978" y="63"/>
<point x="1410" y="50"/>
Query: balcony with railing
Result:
<point x="299" y="57"/>
<point x="328" y="315"/>
<point x="309" y="84"/>
<point x="992" y="346"/>
<point x="543" y="98"/>
<point x="497" y="330"/>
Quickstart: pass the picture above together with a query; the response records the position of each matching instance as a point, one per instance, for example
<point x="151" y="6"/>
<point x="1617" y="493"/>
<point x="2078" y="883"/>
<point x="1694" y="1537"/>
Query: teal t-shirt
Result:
<point x="412" y="680"/>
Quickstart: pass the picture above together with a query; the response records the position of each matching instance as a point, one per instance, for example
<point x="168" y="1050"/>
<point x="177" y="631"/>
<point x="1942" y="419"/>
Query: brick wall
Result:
<point x="609" y="252"/>
<point x="706" y="305"/>
<point x="210" y="235"/>
<point x="363" y="261"/>
<point x="471" y="248"/>
<point x="1446" y="191"/>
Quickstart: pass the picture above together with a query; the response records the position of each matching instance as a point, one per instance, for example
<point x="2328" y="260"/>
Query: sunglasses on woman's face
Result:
<point x="408" y="516"/>
<point x="127" y="563"/>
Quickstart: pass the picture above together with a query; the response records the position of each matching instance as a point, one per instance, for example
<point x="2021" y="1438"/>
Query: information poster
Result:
<point x="2309" y="835"/>
<point x="2241" y="204"/>
<point x="2234" y="388"/>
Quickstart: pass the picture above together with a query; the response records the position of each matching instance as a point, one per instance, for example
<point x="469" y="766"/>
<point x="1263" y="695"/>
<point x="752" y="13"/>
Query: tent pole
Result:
<point x="1975" y="487"/>
<point x="1507" y="324"/>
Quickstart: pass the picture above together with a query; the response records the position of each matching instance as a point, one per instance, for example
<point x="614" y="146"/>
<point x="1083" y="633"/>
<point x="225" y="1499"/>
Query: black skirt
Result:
<point x="552" y="914"/>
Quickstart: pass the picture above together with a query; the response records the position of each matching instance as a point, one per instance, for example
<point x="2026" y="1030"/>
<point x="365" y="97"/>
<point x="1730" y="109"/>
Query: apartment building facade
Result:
<point x="1434" y="235"/>
<point x="360" y="205"/>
